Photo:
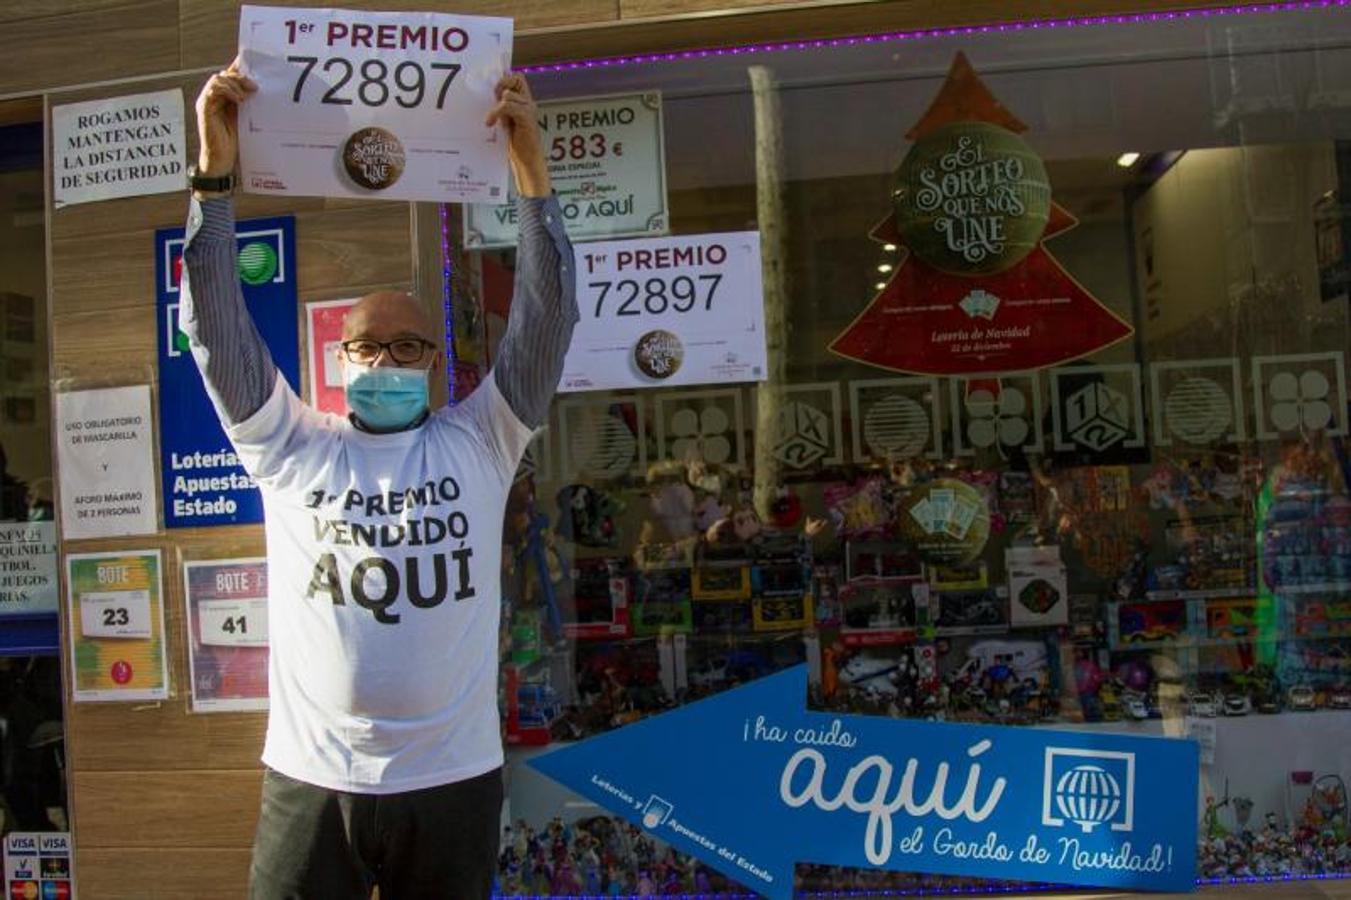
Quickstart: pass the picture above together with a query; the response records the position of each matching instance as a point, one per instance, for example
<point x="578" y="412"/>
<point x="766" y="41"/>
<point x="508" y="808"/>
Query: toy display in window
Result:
<point x="587" y="516"/>
<point x="601" y="601"/>
<point x="1108" y="595"/>
<point x="970" y="611"/>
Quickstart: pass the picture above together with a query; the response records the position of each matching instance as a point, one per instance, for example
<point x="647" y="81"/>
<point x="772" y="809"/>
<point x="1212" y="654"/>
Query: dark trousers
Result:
<point x="314" y="843"/>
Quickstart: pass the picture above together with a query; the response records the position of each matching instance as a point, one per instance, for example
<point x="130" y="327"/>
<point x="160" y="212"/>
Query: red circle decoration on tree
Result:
<point x="972" y="199"/>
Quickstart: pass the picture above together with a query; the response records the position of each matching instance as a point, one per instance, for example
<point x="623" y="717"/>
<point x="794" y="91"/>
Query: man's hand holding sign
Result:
<point x="383" y="749"/>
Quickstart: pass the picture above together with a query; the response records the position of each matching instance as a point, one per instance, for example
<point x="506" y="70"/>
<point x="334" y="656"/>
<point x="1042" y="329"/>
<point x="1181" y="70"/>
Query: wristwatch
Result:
<point x="213" y="184"/>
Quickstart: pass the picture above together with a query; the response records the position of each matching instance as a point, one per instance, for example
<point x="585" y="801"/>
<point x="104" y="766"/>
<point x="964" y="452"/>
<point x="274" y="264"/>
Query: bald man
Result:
<point x="383" y="754"/>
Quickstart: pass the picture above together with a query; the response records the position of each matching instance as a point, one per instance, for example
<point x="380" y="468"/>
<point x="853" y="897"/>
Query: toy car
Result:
<point x="1236" y="705"/>
<point x="877" y="673"/>
<point x="965" y="610"/>
<point x="1148" y="623"/>
<point x="879" y="604"/>
<point x="1302" y="697"/>
<point x="1201" y="705"/>
<point x="1340" y="697"/>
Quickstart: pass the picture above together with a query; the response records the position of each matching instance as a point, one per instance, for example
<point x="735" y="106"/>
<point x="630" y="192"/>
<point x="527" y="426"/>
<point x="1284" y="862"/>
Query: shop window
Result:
<point x="32" y="771"/>
<point x="1135" y="521"/>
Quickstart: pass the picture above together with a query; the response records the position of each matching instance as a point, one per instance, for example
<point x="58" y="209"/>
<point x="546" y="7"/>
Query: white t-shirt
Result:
<point x="384" y="590"/>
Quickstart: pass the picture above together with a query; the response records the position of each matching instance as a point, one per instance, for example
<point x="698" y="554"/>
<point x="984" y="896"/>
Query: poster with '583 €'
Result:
<point x="367" y="104"/>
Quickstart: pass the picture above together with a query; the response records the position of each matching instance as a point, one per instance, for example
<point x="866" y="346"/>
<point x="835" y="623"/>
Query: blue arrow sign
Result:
<point x="750" y="782"/>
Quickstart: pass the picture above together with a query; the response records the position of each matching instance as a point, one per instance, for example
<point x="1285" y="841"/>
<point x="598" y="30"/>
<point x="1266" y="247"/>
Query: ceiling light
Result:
<point x="1126" y="160"/>
<point x="884" y="268"/>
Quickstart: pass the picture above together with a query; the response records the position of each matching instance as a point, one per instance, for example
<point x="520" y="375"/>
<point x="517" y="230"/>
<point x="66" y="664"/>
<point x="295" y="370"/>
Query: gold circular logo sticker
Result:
<point x="658" y="354"/>
<point x="373" y="158"/>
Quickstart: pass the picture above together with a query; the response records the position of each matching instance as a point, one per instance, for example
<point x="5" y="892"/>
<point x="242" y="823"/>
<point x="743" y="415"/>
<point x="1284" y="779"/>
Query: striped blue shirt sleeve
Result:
<point x="235" y="363"/>
<point x="543" y="312"/>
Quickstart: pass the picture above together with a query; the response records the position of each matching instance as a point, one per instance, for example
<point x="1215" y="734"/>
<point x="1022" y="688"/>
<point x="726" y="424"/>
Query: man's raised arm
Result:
<point x="235" y="363"/>
<point x="544" y="301"/>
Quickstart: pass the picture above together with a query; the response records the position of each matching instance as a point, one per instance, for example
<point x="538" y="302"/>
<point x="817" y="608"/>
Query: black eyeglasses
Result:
<point x="404" y="350"/>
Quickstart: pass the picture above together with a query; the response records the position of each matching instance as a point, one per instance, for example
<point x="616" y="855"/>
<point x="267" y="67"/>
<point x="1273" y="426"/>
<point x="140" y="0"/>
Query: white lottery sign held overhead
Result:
<point x="368" y="104"/>
<point x="669" y="311"/>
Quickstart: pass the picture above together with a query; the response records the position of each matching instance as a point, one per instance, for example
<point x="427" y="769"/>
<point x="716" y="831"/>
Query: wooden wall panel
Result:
<point x="19" y="10"/>
<point x="354" y="250"/>
<point x="126" y="874"/>
<point x="112" y="738"/>
<point x="116" y="42"/>
<point x="114" y="272"/>
<point x="168" y="210"/>
<point x="202" y="809"/>
<point x="96" y="344"/>
<point x="209" y="28"/>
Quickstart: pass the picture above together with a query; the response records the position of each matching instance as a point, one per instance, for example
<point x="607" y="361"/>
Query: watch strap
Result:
<point x="210" y="183"/>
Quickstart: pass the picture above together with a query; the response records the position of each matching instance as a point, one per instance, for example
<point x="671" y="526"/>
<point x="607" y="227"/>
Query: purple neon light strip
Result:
<point x="967" y="891"/>
<point x="447" y="297"/>
<point x="923" y="33"/>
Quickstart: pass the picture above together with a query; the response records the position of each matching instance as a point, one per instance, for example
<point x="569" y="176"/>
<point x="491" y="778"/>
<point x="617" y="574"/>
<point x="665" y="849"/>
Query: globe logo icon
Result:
<point x="257" y="263"/>
<point x="1088" y="796"/>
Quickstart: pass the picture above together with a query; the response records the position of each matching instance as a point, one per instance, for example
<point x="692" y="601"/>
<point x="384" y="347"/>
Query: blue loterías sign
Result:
<point x="752" y="783"/>
<point x="203" y="483"/>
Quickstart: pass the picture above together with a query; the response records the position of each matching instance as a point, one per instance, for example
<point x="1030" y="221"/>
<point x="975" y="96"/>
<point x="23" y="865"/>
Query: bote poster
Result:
<point x="974" y="288"/>
<point x="227" y="633"/>
<point x="117" y="626"/>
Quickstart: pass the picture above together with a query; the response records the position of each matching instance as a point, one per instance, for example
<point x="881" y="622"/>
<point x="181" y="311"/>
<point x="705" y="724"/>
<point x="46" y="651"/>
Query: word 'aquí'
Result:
<point x="881" y="802"/>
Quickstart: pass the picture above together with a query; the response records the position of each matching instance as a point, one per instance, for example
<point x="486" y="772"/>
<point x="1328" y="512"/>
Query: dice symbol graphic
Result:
<point x="803" y="435"/>
<point x="1098" y="416"/>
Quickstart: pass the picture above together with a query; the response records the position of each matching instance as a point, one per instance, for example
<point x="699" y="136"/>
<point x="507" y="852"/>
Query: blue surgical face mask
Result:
<point x="386" y="398"/>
